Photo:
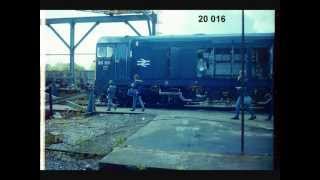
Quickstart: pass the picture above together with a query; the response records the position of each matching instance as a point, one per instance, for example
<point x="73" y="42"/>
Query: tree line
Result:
<point x="65" y="67"/>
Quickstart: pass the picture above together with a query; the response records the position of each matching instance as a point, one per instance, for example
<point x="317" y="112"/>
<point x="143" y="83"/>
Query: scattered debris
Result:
<point x="67" y="161"/>
<point x="89" y="136"/>
<point x="57" y="115"/>
<point x="54" y="138"/>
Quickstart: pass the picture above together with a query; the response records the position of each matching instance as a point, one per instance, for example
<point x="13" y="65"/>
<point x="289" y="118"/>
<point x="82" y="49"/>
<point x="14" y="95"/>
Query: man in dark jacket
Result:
<point x="137" y="88"/>
<point x="247" y="100"/>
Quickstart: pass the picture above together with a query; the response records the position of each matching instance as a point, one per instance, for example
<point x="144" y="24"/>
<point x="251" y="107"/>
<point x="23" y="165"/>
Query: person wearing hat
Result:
<point x="111" y="92"/>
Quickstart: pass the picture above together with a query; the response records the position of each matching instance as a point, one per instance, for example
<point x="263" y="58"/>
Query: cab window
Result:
<point x="105" y="51"/>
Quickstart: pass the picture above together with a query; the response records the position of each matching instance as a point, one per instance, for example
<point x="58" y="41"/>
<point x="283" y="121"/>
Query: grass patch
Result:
<point x="120" y="141"/>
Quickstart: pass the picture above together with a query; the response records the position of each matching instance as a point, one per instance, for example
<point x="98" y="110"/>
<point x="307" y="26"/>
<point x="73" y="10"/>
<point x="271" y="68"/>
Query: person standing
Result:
<point x="247" y="100"/>
<point x="202" y="65"/>
<point x="91" y="108"/>
<point x="54" y="88"/>
<point x="111" y="93"/>
<point x="268" y="103"/>
<point x="137" y="89"/>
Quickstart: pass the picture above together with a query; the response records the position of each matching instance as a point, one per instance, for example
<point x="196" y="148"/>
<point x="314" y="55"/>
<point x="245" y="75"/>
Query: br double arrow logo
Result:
<point x="143" y="62"/>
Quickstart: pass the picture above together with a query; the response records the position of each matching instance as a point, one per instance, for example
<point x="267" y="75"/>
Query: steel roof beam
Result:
<point x="96" y="20"/>
<point x="87" y="33"/>
<point x="153" y="18"/>
<point x="100" y="19"/>
<point x="64" y="42"/>
<point x="149" y="28"/>
<point x="132" y="28"/>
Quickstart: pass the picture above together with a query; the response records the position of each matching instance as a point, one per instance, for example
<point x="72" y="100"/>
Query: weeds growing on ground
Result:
<point x="119" y="141"/>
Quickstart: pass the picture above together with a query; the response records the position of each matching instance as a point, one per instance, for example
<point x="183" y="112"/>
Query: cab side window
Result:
<point x="105" y="51"/>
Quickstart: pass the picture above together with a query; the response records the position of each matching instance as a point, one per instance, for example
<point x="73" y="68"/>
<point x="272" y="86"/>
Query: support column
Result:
<point x="71" y="70"/>
<point x="249" y="63"/>
<point x="154" y="21"/>
<point x="50" y="102"/>
<point x="149" y="28"/>
<point x="242" y="86"/>
<point x="232" y="59"/>
<point x="271" y="61"/>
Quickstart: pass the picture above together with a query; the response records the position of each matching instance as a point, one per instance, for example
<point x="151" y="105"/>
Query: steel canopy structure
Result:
<point x="145" y="16"/>
<point x="118" y="12"/>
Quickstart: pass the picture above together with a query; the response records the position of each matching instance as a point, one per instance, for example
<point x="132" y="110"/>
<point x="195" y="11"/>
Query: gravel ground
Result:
<point x="63" y="161"/>
<point x="94" y="135"/>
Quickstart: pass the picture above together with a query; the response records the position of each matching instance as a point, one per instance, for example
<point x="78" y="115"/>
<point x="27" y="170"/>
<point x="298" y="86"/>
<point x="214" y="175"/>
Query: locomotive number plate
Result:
<point x="105" y="68"/>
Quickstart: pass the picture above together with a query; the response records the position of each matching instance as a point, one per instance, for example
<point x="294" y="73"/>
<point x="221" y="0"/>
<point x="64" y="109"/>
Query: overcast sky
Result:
<point x="170" y="22"/>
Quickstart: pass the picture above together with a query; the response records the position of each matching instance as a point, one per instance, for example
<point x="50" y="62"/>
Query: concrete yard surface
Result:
<point x="175" y="160"/>
<point x="158" y="138"/>
<point x="196" y="140"/>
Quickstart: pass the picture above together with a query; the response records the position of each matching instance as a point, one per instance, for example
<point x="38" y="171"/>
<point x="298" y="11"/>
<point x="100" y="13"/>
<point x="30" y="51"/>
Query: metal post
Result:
<point x="71" y="48"/>
<point x="248" y="63"/>
<point x="149" y="28"/>
<point x="232" y="59"/>
<point x="242" y="86"/>
<point x="214" y="63"/>
<point x="50" y="101"/>
<point x="154" y="21"/>
<point x="271" y="62"/>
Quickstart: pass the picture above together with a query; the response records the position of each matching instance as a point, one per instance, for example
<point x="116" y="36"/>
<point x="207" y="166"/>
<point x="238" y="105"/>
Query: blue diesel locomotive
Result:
<point x="186" y="68"/>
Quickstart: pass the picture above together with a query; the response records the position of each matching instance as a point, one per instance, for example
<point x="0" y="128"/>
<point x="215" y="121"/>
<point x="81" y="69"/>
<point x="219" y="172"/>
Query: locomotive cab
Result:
<point x="112" y="62"/>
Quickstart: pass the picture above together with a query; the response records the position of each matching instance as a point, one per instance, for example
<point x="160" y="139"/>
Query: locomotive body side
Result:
<point x="189" y="64"/>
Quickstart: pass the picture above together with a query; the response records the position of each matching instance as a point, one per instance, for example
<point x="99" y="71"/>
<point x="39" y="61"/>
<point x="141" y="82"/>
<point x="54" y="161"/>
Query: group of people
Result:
<point x="135" y="91"/>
